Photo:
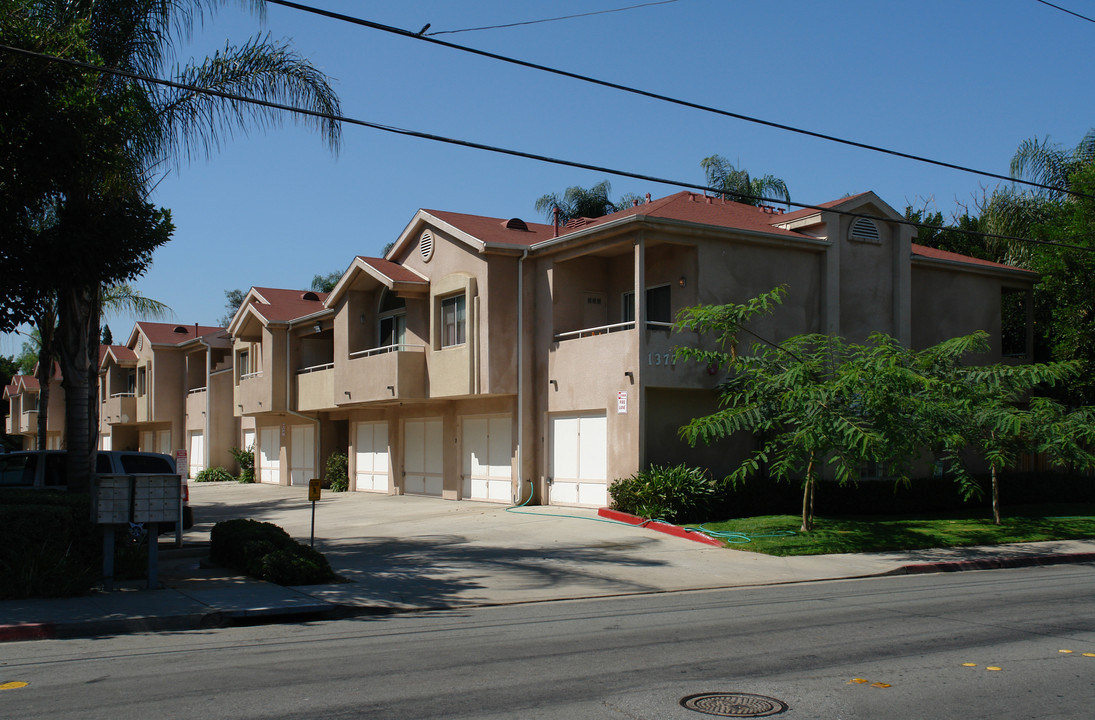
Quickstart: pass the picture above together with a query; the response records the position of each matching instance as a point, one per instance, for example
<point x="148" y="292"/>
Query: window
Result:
<point x="658" y="308"/>
<point x="393" y="320"/>
<point x="142" y="381"/>
<point x="453" y="325"/>
<point x="131" y="382"/>
<point x="244" y="363"/>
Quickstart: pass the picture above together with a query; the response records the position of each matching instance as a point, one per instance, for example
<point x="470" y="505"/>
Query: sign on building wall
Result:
<point x="621" y="402"/>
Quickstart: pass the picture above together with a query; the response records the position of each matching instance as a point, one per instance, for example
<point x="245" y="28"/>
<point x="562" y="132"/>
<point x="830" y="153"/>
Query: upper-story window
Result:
<point x="453" y="321"/>
<point x="392" y="320"/>
<point x="243" y="363"/>
<point x="658" y="308"/>
<point x="142" y="381"/>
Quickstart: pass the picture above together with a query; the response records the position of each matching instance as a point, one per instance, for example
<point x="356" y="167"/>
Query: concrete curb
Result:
<point x="659" y="526"/>
<point x="997" y="563"/>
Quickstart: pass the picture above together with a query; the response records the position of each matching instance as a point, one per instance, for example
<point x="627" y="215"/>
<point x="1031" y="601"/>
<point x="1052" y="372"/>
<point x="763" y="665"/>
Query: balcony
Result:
<point x="254" y="394"/>
<point x="28" y="421"/>
<point x="120" y="408"/>
<point x="385" y="373"/>
<point x="7" y="425"/>
<point x="316" y="387"/>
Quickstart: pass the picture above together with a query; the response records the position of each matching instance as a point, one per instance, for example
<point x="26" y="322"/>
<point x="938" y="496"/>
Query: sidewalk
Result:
<point x="405" y="554"/>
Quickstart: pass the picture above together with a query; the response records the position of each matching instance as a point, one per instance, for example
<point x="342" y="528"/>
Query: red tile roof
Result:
<point x="494" y="230"/>
<point x="285" y="305"/>
<point x="936" y="254"/>
<point x="393" y="271"/>
<point x="173" y="333"/>
<point x="120" y="353"/>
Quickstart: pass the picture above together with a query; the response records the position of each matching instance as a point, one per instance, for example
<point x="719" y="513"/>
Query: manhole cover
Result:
<point x="734" y="704"/>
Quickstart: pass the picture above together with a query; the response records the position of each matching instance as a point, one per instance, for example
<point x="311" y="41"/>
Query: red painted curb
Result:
<point x="658" y="525"/>
<point x="27" y="631"/>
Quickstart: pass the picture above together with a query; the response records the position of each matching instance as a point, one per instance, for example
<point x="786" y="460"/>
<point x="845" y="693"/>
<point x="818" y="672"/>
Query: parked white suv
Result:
<point x="45" y="470"/>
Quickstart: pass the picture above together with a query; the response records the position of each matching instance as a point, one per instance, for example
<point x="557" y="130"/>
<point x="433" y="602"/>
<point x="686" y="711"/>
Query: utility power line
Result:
<point x="537" y="22"/>
<point x="1066" y="10"/>
<point x="665" y="98"/>
<point x="514" y="153"/>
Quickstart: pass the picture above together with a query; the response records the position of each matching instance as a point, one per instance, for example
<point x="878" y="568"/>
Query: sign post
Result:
<point x="314" y="492"/>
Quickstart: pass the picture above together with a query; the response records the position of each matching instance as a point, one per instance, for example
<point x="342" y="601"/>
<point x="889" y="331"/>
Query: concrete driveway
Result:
<point x="406" y="551"/>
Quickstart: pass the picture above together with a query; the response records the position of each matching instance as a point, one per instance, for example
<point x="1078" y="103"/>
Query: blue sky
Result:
<point x="964" y="82"/>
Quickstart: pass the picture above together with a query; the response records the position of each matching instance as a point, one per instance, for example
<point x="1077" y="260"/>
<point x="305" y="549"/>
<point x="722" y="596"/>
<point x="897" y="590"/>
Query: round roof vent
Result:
<point x="516" y="224"/>
<point x="181" y="330"/>
<point x="309" y="295"/>
<point x="425" y="245"/>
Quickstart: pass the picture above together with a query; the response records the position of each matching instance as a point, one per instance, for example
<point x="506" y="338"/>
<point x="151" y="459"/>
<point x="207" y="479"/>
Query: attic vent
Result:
<point x="309" y="295"/>
<point x="516" y="224"/>
<point x="425" y="246"/>
<point x="181" y="330"/>
<point x="864" y="230"/>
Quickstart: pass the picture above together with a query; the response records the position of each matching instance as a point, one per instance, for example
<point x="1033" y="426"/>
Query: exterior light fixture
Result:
<point x="682" y="282"/>
<point x="318" y="327"/>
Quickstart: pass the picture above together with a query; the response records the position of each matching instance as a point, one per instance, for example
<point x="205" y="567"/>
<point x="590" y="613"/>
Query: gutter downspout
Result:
<point x="521" y="373"/>
<point x="288" y="401"/>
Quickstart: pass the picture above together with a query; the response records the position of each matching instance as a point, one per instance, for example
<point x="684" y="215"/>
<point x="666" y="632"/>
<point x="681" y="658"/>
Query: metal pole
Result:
<point x="313" y="523"/>
<point x="108" y="557"/>
<point x="153" y="556"/>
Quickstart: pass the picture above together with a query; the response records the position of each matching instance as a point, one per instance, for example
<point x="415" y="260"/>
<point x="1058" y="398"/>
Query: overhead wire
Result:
<point x="545" y="20"/>
<point x="515" y="153"/>
<point x="666" y="98"/>
<point x="1066" y="10"/>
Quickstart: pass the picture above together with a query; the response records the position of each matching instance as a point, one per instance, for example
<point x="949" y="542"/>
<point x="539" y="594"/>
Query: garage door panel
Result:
<point x="269" y="451"/>
<point x="302" y="460"/>
<point x="579" y="457"/>
<point x="423" y="457"/>
<point x="371" y="451"/>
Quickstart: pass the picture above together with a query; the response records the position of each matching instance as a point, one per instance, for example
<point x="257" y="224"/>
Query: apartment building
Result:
<point x="490" y="358"/>
<point x="24" y="396"/>
<point x="170" y="388"/>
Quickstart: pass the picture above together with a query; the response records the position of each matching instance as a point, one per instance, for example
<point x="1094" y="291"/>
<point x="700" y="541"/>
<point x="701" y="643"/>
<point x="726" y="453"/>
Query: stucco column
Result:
<point x="830" y="276"/>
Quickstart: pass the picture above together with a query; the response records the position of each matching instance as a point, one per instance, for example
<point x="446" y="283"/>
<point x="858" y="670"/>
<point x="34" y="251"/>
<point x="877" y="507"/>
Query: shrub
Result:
<point x="214" y="474"/>
<point x="337" y="473"/>
<point x="265" y="551"/>
<point x="297" y="565"/>
<point x="675" y="494"/>
<point x="246" y="459"/>
<point x="48" y="545"/>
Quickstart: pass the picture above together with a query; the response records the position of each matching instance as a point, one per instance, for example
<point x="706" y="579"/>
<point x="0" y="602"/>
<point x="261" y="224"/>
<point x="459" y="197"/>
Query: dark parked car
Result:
<point x="45" y="470"/>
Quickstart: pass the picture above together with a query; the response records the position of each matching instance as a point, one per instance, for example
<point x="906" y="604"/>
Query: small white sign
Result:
<point x="621" y="402"/>
<point x="181" y="466"/>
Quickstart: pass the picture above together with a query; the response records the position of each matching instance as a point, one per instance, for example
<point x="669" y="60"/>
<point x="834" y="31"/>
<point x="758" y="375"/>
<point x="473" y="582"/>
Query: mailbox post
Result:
<point x="131" y="499"/>
<point x="314" y="491"/>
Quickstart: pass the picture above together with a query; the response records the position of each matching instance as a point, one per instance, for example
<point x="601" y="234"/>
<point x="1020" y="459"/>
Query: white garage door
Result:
<point x="196" y="453"/>
<point x="423" y="457"/>
<point x="579" y="445"/>
<point x="302" y="460"/>
<point x="269" y="452"/>
<point x="371" y="457"/>
<point x="163" y="442"/>
<point x="146" y="441"/>
<point x="104" y="441"/>
<point x="488" y="472"/>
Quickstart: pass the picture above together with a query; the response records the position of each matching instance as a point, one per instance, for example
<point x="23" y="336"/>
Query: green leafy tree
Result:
<point x="326" y="283"/>
<point x="233" y="300"/>
<point x="577" y="202"/>
<point x="104" y="137"/>
<point x="738" y="185"/>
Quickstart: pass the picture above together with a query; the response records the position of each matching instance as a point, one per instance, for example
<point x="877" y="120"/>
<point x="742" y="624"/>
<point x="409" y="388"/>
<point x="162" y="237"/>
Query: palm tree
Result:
<point x="737" y="185"/>
<point x="577" y="202"/>
<point x="158" y="128"/>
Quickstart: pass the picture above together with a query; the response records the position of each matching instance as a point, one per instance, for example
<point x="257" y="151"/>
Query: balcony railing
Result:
<point x="315" y="368"/>
<point x="600" y="330"/>
<point x="193" y="391"/>
<point x="123" y="395"/>
<point x="248" y="376"/>
<point x="387" y="349"/>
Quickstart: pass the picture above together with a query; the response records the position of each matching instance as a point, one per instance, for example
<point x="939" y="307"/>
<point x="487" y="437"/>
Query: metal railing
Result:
<point x="123" y="395"/>
<point x="387" y="349"/>
<point x="599" y="330"/>
<point x="248" y="376"/>
<point x="315" y="368"/>
<point x="191" y="391"/>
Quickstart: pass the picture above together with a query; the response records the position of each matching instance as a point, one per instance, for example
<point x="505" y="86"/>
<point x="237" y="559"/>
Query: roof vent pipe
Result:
<point x="555" y="214"/>
<point x="648" y="197"/>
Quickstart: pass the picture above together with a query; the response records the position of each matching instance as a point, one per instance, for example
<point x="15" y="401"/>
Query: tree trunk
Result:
<point x="47" y="331"/>
<point x="995" y="497"/>
<point x="808" y="498"/>
<point x="79" y="317"/>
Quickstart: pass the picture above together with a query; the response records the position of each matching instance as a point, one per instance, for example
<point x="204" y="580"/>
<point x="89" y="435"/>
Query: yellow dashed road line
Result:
<point x="13" y="685"/>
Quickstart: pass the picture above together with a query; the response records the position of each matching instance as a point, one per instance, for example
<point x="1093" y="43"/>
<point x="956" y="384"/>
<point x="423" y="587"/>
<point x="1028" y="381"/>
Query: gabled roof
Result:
<point x="28" y="383"/>
<point x="121" y="355"/>
<point x="170" y="333"/>
<point x="392" y="275"/>
<point x="278" y="306"/>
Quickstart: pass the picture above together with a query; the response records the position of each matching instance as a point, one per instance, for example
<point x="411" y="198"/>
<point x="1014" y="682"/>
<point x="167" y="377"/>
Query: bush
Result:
<point x="246" y="459"/>
<point x="48" y="545"/>
<point x="214" y="474"/>
<point x="298" y="565"/>
<point x="265" y="551"/>
<point x="337" y="474"/>
<point x="675" y="494"/>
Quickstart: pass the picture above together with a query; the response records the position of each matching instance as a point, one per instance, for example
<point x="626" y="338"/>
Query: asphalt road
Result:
<point x="964" y="645"/>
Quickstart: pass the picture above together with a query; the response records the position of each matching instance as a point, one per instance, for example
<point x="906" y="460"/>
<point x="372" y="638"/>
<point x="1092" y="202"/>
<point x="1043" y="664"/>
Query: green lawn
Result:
<point x="779" y="534"/>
